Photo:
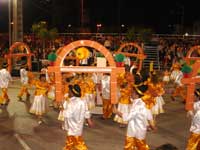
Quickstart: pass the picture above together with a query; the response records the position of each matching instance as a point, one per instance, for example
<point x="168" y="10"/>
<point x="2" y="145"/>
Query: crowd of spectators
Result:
<point x="171" y="49"/>
<point x="175" y="49"/>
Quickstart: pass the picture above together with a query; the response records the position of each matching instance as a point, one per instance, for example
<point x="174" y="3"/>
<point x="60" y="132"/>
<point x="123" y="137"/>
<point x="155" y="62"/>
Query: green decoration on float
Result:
<point x="186" y="68"/>
<point x="52" y="56"/>
<point x="119" y="58"/>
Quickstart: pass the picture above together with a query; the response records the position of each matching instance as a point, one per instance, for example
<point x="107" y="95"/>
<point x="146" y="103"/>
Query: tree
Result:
<point x="139" y="33"/>
<point x="131" y="34"/>
<point x="41" y="31"/>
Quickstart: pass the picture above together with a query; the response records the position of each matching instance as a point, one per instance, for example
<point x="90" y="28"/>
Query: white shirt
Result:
<point x="195" y="127"/>
<point x="196" y="106"/>
<point x="178" y="78"/>
<point x="5" y="77"/>
<point x="45" y="71"/>
<point x="24" y="76"/>
<point x="174" y="74"/>
<point x="127" y="61"/>
<point x="137" y="119"/>
<point x="105" y="83"/>
<point x="75" y="114"/>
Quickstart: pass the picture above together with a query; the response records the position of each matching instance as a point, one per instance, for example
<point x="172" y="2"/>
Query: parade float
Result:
<point x="79" y="47"/>
<point x="139" y="54"/>
<point x="193" y="79"/>
<point x="16" y="52"/>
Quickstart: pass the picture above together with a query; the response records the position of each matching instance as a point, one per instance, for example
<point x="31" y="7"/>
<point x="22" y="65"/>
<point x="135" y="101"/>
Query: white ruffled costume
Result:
<point x="5" y="77"/>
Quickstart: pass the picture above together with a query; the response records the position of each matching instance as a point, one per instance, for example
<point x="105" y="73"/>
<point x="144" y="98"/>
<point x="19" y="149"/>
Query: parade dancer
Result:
<point x="51" y="92"/>
<point x="40" y="103"/>
<point x="5" y="78"/>
<point x="139" y="119"/>
<point x="166" y="77"/>
<point x="157" y="87"/>
<point x="24" y="88"/>
<point x="124" y="103"/>
<point x="194" y="139"/>
<point x="75" y="115"/>
<point x="179" y="88"/>
<point x="105" y="93"/>
<point x="90" y="91"/>
<point x="64" y="103"/>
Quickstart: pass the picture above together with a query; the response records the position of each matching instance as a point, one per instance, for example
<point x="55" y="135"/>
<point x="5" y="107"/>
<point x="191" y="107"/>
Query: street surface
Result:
<point x="19" y="129"/>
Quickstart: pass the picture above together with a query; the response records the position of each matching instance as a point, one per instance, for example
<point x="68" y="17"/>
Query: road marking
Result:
<point x="22" y="142"/>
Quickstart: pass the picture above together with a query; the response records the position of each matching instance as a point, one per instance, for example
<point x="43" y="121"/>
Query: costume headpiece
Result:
<point x="75" y="89"/>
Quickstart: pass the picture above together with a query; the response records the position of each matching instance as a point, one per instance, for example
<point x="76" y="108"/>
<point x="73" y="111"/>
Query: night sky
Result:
<point x="156" y="14"/>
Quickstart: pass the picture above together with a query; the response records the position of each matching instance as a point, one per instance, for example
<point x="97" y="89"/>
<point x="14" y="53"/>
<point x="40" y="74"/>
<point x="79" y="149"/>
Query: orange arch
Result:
<point x="66" y="49"/>
<point x="58" y="68"/>
<point x="192" y="49"/>
<point x="140" y="55"/>
<point x="141" y="51"/>
<point x="10" y="55"/>
<point x="190" y="83"/>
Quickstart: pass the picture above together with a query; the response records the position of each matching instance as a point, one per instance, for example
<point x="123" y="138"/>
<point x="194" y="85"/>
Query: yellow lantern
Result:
<point x="82" y="53"/>
<point x="21" y="48"/>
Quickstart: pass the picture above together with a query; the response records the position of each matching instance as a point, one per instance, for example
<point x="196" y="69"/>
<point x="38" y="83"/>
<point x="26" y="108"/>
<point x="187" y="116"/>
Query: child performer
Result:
<point x="5" y="78"/>
<point x="64" y="103"/>
<point x="166" y="77"/>
<point x="75" y="115"/>
<point x="24" y="81"/>
<point x="194" y="140"/>
<point x="51" y="92"/>
<point x="124" y="103"/>
<point x="159" y="91"/>
<point x="105" y="89"/>
<point x="40" y="103"/>
<point x="90" y="91"/>
<point x="139" y="118"/>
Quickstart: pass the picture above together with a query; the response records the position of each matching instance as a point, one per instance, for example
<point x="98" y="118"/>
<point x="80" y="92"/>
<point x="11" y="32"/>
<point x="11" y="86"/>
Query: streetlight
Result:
<point x="9" y="23"/>
<point x="82" y="15"/>
<point x="69" y="27"/>
<point x="98" y="28"/>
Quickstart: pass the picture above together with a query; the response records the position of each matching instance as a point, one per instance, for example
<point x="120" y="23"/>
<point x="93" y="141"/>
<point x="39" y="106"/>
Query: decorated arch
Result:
<point x="59" y="68"/>
<point x="140" y="53"/>
<point x="24" y="50"/>
<point x="189" y="56"/>
<point x="68" y="57"/>
<point x="194" y="78"/>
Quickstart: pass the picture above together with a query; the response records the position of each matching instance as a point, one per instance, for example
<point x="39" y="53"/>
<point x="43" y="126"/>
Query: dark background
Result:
<point x="160" y="15"/>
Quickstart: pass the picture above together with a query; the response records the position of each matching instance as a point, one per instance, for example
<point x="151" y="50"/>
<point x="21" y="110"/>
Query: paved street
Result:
<point x="17" y="125"/>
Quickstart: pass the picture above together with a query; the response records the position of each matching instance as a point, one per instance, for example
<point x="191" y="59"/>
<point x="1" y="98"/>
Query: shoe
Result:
<point x="184" y="102"/>
<point x="39" y="122"/>
<point x="173" y="99"/>
<point x="51" y="105"/>
<point x="28" y="97"/>
<point x="122" y="126"/>
<point x="19" y="98"/>
<point x="7" y="102"/>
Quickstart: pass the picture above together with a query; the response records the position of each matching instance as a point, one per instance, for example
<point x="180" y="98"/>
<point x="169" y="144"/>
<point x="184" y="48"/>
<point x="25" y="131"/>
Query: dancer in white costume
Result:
<point x="139" y="118"/>
<point x="5" y="78"/>
<point x="40" y="104"/>
<point x="25" y="82"/>
<point x="75" y="115"/>
<point x="124" y="103"/>
<point x="194" y="139"/>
